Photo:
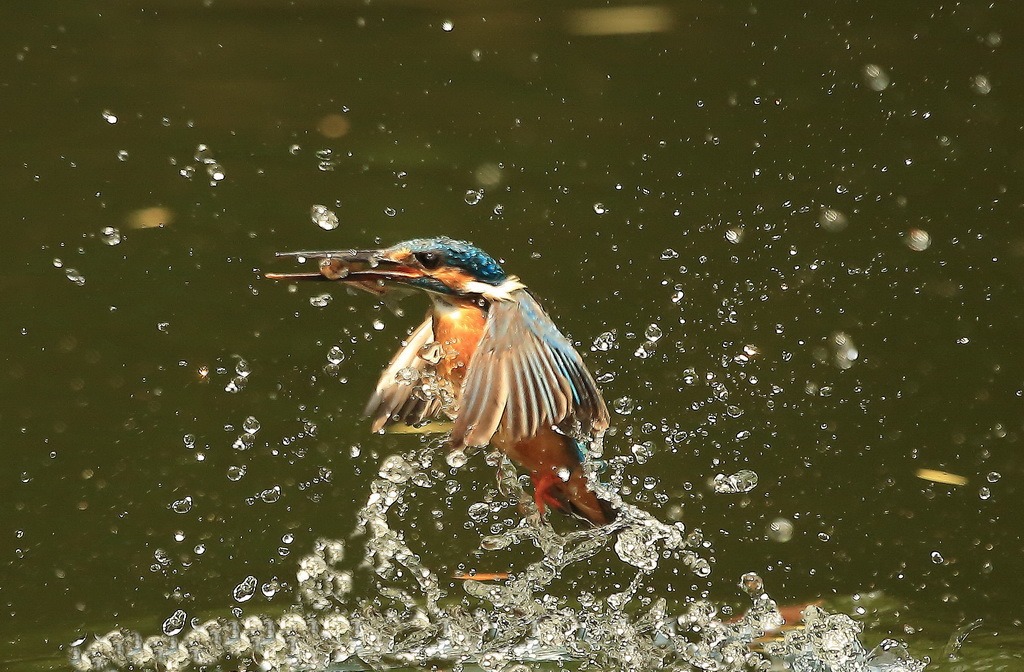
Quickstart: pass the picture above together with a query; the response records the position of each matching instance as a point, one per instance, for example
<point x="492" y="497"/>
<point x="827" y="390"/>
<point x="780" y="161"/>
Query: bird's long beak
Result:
<point x="362" y="267"/>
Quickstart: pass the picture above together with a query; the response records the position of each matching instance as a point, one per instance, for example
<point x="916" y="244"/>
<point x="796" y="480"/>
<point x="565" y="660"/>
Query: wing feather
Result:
<point x="522" y="416"/>
<point x="525" y="375"/>
<point x="541" y="370"/>
<point x="492" y="409"/>
<point x="393" y="401"/>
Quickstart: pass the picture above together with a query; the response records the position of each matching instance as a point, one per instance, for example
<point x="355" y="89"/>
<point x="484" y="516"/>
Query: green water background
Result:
<point x="676" y="177"/>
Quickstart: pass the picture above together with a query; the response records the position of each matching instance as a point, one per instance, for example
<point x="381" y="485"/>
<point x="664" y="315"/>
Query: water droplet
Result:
<point x="378" y="325"/>
<point x="652" y="333"/>
<point x="669" y="253"/>
<point x="876" y="77"/>
<point x="390" y="212"/>
<point x="183" y="505"/>
<point x="473" y="196"/>
<point x="495" y="543"/>
<point x="320" y="300"/>
<point x="645" y="350"/>
<point x="845" y="352"/>
<point x="624" y="405"/>
<point x="109" y="117"/>
<point x="937" y="558"/>
<point x="918" y="240"/>
<point x="202" y="154"/>
<point x="244" y="591"/>
<point x="189" y="440"/>
<point x="637" y="546"/>
<point x="479" y="511"/>
<point x="216" y="173"/>
<point x="993" y="476"/>
<point x="447" y="26"/>
<point x="74" y="276"/>
<point x="396" y="469"/>
<point x="407" y="376"/>
<point x="833" y="220"/>
<point x="122" y="155"/>
<point x="236" y="473"/>
<point x="752" y="583"/>
<point x="335" y="355"/>
<point x="456" y="459"/>
<point x="742" y="481"/>
<point x="323" y="217"/>
<point x="642" y="451"/>
<point x="325" y="160"/>
<point x="701" y="567"/>
<point x="242" y="368"/>
<point x="600" y="209"/>
<point x="235" y="385"/>
<point x="251" y="425"/>
<point x="271" y="495"/>
<point x="981" y="85"/>
<point x="984" y="492"/>
<point x="175" y="623"/>
<point x="780" y="530"/>
<point x="110" y="235"/>
<point x="604" y="342"/>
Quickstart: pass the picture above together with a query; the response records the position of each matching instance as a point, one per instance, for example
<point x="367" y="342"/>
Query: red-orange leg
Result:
<point x="542" y="495"/>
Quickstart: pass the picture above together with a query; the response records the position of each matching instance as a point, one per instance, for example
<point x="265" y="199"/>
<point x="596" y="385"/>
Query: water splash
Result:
<point x="323" y="217"/>
<point x="742" y="481"/>
<point x="413" y="619"/>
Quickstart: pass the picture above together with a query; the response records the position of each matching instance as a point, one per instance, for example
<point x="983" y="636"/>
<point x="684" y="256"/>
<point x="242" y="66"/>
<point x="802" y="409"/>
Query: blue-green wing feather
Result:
<point x="525" y="375"/>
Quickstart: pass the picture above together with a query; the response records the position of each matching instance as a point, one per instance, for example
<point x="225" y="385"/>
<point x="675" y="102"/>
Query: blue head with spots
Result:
<point x="444" y="265"/>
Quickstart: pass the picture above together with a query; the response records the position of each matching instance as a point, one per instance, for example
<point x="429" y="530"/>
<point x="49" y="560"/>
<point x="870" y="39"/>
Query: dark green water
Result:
<point x="793" y="180"/>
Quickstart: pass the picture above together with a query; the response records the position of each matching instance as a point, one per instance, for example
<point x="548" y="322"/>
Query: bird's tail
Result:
<point x="571" y="496"/>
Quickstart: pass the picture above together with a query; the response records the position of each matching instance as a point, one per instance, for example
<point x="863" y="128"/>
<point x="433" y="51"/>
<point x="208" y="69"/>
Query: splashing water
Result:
<point x="414" y="620"/>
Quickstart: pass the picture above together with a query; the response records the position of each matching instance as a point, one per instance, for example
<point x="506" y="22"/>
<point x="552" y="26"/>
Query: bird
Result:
<point x="487" y="358"/>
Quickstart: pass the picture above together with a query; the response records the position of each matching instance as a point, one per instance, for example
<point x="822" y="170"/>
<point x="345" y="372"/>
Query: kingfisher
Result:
<point x="487" y="358"/>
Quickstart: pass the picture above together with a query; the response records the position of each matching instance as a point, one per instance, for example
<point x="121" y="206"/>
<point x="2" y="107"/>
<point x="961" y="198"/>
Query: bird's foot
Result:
<point x="543" y="492"/>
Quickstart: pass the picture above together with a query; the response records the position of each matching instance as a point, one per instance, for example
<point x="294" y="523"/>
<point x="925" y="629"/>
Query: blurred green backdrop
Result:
<point x="817" y="206"/>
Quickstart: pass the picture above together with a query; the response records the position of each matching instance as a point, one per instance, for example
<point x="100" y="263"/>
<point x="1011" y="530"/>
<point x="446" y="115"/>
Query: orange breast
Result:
<point x="458" y="328"/>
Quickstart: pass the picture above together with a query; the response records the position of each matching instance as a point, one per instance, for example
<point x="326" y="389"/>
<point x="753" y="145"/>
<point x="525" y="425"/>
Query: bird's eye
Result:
<point x="428" y="260"/>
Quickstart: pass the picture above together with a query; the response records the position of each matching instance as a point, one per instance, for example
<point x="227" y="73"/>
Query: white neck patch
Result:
<point x="502" y="292"/>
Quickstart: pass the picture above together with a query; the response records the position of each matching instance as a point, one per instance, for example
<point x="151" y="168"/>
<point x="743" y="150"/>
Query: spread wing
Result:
<point x="525" y="375"/>
<point x="393" y="399"/>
